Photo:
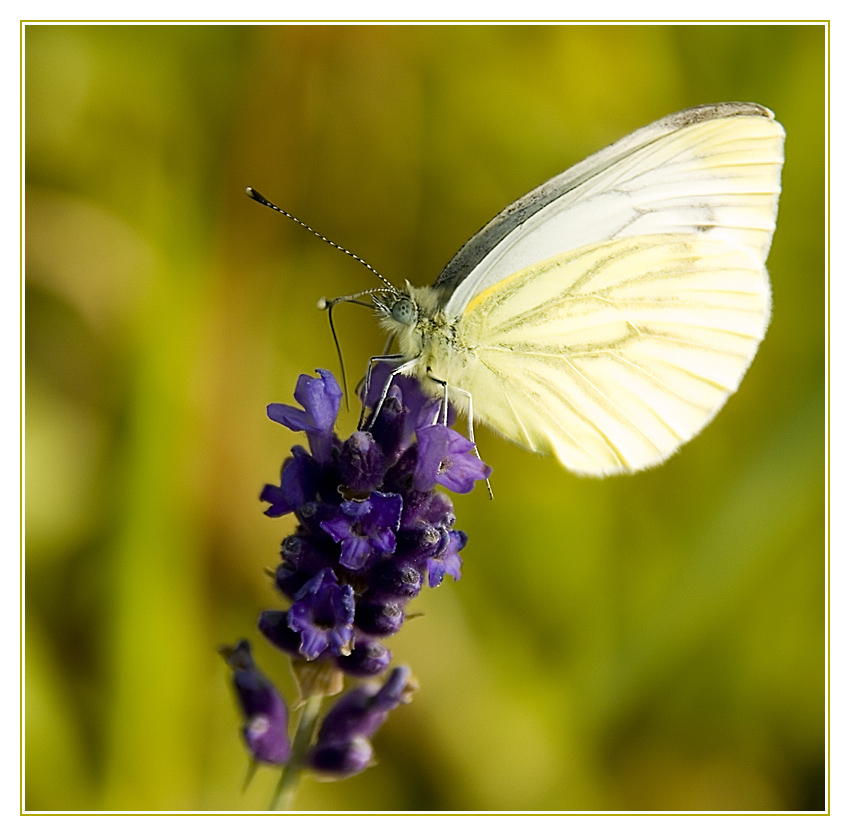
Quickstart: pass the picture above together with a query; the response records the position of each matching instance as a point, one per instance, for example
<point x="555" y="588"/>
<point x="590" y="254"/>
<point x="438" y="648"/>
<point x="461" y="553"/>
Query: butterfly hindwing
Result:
<point x="612" y="356"/>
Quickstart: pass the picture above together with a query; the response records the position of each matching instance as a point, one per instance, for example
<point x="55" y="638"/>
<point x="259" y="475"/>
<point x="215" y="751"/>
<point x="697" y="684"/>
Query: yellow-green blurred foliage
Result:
<point x="648" y="642"/>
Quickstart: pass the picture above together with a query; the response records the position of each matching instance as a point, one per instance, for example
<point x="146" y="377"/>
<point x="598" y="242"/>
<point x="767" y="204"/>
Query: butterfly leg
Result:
<point x="399" y="370"/>
<point x="444" y="416"/>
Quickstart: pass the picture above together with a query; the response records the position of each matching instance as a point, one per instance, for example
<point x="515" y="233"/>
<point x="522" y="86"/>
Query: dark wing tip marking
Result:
<point x="723" y="110"/>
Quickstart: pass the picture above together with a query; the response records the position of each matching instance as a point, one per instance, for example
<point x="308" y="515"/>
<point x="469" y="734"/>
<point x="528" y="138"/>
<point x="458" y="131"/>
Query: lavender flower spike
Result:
<point x="370" y="533"/>
<point x="368" y="519"/>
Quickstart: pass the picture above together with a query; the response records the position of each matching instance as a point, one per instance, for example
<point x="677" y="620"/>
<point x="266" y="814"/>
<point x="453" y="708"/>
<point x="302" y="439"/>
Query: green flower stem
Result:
<point x="284" y="793"/>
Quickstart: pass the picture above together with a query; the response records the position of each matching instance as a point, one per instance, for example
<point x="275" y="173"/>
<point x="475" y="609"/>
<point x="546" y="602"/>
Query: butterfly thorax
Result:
<point x="425" y="335"/>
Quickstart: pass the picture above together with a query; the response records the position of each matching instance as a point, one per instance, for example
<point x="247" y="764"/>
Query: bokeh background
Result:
<point x="653" y="642"/>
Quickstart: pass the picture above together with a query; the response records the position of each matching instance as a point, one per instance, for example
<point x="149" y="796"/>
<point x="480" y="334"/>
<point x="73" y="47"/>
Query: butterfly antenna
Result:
<point x="255" y="195"/>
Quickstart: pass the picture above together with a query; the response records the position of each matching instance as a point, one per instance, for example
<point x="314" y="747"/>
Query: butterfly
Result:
<point x="606" y="316"/>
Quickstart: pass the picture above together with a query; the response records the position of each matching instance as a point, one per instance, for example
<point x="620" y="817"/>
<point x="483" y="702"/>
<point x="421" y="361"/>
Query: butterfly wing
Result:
<point x="613" y="355"/>
<point x="606" y="316"/>
<point x="713" y="170"/>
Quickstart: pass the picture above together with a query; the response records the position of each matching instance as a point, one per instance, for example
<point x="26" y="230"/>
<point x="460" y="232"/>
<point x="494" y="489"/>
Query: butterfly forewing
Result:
<point x="718" y="178"/>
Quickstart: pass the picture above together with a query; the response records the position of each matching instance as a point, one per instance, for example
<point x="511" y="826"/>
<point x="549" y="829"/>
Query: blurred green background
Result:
<point x="653" y="642"/>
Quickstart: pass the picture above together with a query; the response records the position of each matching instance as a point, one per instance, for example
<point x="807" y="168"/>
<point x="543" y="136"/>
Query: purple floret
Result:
<point x="365" y="528"/>
<point x="264" y="711"/>
<point x="299" y="482"/>
<point x="343" y="746"/>
<point x="323" y="613"/>
<point x="446" y="457"/>
<point x="320" y="398"/>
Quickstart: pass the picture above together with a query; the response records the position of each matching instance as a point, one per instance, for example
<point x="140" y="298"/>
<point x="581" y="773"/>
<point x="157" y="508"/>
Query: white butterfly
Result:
<point x="606" y="316"/>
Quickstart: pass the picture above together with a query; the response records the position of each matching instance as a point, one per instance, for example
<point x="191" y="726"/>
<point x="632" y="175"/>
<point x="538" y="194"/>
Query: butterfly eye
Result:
<point x="404" y="311"/>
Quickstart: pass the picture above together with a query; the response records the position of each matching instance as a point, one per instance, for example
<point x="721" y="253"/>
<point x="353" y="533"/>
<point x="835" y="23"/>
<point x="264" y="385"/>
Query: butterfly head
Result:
<point x="397" y="309"/>
<point x="413" y="315"/>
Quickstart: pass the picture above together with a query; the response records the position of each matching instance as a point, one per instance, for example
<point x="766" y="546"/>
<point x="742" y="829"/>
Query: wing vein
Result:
<point x="618" y="454"/>
<point x="519" y="420"/>
<point x="610" y="403"/>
